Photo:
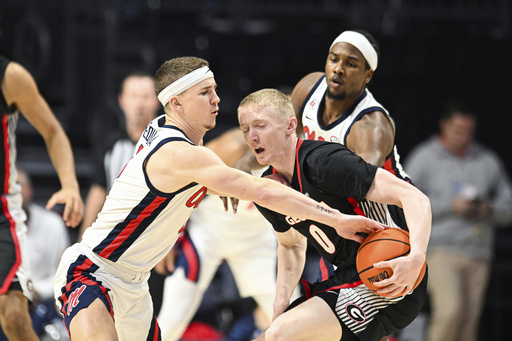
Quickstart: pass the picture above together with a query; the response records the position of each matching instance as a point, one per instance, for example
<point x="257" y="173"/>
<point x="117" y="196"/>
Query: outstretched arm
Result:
<point x="177" y="164"/>
<point x="232" y="149"/>
<point x="20" y="88"/>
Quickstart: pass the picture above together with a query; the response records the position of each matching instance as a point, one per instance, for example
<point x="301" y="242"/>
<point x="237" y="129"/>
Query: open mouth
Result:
<point x="336" y="81"/>
<point x="259" y="150"/>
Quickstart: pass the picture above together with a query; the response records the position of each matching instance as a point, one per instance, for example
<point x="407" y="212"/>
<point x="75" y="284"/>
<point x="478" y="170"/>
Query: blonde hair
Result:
<point x="173" y="69"/>
<point x="273" y="98"/>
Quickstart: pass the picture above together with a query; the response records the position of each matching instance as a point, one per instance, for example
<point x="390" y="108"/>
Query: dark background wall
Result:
<point x="431" y="51"/>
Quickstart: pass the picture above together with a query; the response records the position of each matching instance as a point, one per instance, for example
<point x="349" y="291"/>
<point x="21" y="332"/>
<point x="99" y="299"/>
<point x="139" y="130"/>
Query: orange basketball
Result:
<point x="380" y="246"/>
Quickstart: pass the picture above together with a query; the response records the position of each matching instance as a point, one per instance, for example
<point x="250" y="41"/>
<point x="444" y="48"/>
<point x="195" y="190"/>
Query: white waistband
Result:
<point x="118" y="271"/>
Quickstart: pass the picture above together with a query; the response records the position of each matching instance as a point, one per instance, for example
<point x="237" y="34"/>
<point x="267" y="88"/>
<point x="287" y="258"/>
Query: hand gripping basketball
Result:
<point x="380" y="246"/>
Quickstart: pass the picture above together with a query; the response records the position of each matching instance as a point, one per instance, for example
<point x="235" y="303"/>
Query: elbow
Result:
<point x="264" y="197"/>
<point x="424" y="201"/>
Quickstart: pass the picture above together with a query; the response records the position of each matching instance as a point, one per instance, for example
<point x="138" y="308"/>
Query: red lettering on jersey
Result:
<point x="311" y="135"/>
<point x="195" y="200"/>
<point x="73" y="298"/>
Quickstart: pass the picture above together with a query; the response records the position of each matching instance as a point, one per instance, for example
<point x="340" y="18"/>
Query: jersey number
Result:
<point x="322" y="239"/>
<point x="196" y="198"/>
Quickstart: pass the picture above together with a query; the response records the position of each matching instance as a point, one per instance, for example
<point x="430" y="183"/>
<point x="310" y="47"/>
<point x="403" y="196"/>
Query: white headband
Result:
<point x="184" y="83"/>
<point x="362" y="44"/>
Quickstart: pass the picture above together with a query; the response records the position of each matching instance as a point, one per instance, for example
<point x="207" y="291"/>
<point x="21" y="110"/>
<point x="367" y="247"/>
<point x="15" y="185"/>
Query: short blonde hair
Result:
<point x="273" y="98"/>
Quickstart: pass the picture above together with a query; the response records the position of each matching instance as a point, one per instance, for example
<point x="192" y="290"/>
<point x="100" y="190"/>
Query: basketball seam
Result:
<point x="385" y="239"/>
<point x="371" y="267"/>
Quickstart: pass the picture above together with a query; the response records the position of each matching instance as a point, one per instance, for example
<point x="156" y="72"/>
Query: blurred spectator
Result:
<point x="139" y="105"/>
<point x="470" y="194"/>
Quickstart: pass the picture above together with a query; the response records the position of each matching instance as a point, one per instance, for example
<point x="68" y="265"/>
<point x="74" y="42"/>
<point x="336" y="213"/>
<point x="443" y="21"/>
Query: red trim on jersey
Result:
<point x="342" y="286"/>
<point x="299" y="143"/>
<point x="12" y="228"/>
<point x="132" y="226"/>
<point x="156" y="335"/>
<point x="7" y="151"/>
<point x="357" y="209"/>
<point x="388" y="165"/>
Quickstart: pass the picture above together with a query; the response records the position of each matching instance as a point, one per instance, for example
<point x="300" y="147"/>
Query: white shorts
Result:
<point x="250" y="252"/>
<point x="79" y="281"/>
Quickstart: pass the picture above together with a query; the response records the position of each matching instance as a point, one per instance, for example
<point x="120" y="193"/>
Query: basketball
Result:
<point x="380" y="246"/>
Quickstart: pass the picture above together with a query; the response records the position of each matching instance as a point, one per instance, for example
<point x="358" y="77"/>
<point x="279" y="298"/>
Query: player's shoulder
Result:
<point x="321" y="146"/>
<point x="308" y="81"/>
<point x="313" y="152"/>
<point x="303" y="88"/>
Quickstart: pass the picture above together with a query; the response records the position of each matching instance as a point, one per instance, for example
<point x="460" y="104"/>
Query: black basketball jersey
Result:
<point x="332" y="174"/>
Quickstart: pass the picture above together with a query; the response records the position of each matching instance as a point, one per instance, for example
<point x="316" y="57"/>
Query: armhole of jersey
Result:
<point x="311" y="92"/>
<point x="146" y="177"/>
<point x="358" y="117"/>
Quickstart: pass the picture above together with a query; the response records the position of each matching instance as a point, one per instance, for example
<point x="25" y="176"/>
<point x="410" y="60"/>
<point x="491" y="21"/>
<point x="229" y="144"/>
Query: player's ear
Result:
<point x="175" y="103"/>
<point x="368" y="76"/>
<point x="292" y="125"/>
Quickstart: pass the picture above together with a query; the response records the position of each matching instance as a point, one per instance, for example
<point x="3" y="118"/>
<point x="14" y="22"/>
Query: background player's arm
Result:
<point x="229" y="146"/>
<point x="177" y="164"/>
<point x="372" y="137"/>
<point x="387" y="188"/>
<point x="93" y="204"/>
<point x="291" y="258"/>
<point x="20" y="88"/>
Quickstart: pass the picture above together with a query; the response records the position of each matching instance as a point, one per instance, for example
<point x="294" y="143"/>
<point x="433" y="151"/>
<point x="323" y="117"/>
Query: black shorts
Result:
<point x="10" y="253"/>
<point x="363" y="315"/>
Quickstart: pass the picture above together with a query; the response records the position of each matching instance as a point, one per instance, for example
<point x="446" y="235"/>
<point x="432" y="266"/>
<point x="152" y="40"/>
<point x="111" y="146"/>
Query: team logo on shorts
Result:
<point x="355" y="313"/>
<point x="335" y="139"/>
<point x="73" y="298"/>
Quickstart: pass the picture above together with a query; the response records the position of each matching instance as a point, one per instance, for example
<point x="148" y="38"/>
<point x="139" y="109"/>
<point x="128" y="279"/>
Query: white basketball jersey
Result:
<point x="138" y="223"/>
<point x="338" y="130"/>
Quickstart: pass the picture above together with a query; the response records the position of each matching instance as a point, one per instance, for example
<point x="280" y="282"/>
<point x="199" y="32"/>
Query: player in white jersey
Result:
<point x="244" y="240"/>
<point x="337" y="106"/>
<point x="101" y="284"/>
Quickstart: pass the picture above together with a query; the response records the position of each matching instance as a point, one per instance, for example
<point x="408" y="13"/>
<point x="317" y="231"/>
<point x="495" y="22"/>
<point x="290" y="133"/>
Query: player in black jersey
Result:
<point x="340" y="307"/>
<point x="20" y="95"/>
